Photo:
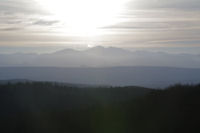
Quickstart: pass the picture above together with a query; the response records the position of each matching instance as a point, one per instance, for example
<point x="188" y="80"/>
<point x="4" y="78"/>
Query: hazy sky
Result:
<point x="86" y="23"/>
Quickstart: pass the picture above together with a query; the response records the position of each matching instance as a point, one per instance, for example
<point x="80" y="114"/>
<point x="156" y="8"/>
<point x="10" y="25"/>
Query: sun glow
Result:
<point x="84" y="17"/>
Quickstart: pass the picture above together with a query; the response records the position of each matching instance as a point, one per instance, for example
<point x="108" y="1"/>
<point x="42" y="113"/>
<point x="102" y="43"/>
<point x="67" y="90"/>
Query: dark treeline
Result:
<point x="42" y="107"/>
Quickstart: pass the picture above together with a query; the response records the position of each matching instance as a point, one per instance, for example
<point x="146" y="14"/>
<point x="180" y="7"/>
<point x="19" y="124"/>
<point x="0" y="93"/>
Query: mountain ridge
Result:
<point x="101" y="57"/>
<point x="155" y="77"/>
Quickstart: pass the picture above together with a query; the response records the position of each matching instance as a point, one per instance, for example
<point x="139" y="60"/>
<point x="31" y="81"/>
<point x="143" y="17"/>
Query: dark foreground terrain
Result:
<point x="39" y="107"/>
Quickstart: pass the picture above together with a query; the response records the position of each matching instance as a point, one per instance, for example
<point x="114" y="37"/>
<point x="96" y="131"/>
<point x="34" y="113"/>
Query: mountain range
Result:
<point x="100" y="57"/>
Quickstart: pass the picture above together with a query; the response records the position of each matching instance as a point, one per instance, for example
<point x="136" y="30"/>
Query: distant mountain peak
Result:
<point x="97" y="48"/>
<point x="64" y="51"/>
<point x="107" y="50"/>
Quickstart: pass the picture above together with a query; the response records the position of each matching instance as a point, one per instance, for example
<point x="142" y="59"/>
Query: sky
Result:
<point x="168" y="25"/>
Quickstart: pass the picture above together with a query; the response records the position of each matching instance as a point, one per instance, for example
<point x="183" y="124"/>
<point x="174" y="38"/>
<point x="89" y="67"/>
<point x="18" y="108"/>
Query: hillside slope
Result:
<point x="38" y="107"/>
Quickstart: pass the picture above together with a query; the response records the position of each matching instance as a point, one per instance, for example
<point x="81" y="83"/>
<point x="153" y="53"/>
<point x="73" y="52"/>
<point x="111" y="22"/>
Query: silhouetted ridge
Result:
<point x="38" y="107"/>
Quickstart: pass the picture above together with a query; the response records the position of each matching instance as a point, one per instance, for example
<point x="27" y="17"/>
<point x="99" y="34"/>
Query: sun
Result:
<point x="84" y="17"/>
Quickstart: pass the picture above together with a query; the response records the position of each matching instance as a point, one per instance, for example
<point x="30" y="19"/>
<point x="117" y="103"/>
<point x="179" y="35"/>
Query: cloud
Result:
<point x="157" y="25"/>
<point x="20" y="7"/>
<point x="11" y="29"/>
<point x="45" y="22"/>
<point x="144" y="23"/>
<point x="177" y="42"/>
<point x="20" y="14"/>
<point x="176" y="4"/>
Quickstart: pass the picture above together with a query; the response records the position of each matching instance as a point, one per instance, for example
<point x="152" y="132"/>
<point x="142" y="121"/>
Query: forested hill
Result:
<point x="40" y="107"/>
